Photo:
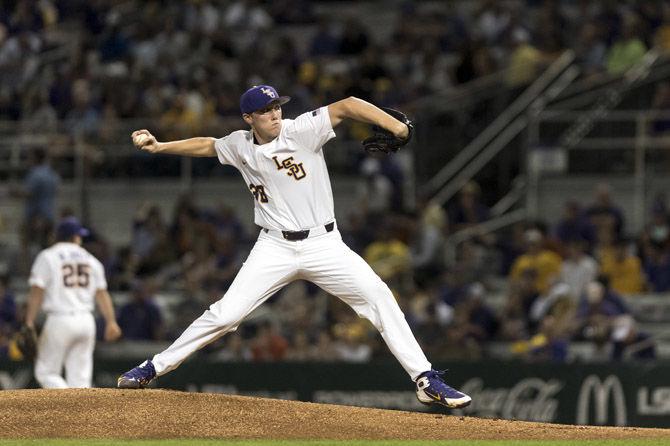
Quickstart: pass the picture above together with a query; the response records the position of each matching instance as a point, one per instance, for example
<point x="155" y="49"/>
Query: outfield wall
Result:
<point x="627" y="394"/>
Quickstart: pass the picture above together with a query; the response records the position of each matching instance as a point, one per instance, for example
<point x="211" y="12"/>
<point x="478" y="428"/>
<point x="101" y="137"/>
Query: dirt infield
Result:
<point x="111" y="413"/>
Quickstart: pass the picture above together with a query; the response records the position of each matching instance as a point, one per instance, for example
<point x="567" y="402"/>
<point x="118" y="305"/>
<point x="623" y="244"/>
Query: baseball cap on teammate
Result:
<point x="69" y="227"/>
<point x="260" y="96"/>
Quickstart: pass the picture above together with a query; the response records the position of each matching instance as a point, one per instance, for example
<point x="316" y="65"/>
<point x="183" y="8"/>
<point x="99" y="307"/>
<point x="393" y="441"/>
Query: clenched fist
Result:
<point x="144" y="140"/>
<point x="112" y="332"/>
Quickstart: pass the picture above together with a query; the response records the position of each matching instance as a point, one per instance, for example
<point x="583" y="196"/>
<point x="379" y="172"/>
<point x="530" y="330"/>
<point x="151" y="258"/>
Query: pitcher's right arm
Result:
<point x="197" y="147"/>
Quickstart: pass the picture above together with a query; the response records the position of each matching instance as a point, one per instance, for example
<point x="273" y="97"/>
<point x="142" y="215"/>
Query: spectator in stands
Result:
<point x="475" y="61"/>
<point x="622" y="268"/>
<point x="553" y="315"/>
<point x="358" y="233"/>
<point x="326" y="40"/>
<point x="548" y="344"/>
<point x="268" y="344"/>
<point x="123" y="269"/>
<point x="657" y="230"/>
<point x="474" y="322"/>
<point x="228" y="223"/>
<point x="475" y="260"/>
<point x="430" y="71"/>
<point x="510" y="245"/>
<point x="39" y="191"/>
<point x="605" y="318"/>
<point x="657" y="266"/>
<point x="453" y="285"/>
<point x="515" y="318"/>
<point x="627" y="50"/>
<point x="301" y="348"/>
<point x="141" y="319"/>
<point x="524" y="61"/>
<point x="661" y="38"/>
<point x="183" y="230"/>
<point x="559" y="302"/>
<point x="388" y="256"/>
<point x="9" y="321"/>
<point x="189" y="306"/>
<point x="351" y="341"/>
<point x="228" y="260"/>
<point x="19" y="59"/>
<point x="574" y="225"/>
<point x="247" y="15"/>
<point x="590" y="49"/>
<point x="235" y="349"/>
<point x="179" y="119"/>
<point x="545" y="263"/>
<point x="83" y="119"/>
<point x="427" y="241"/>
<point x="375" y="195"/>
<point x="40" y="115"/>
<point x="469" y="209"/>
<point x="492" y="18"/>
<point x="325" y="347"/>
<point x="150" y="241"/>
<point x="354" y="39"/>
<point x="578" y="268"/>
<point x="604" y="215"/>
<point x="199" y="266"/>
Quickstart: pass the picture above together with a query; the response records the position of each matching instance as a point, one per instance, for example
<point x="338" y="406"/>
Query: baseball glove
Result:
<point x="384" y="141"/>
<point x="26" y="342"/>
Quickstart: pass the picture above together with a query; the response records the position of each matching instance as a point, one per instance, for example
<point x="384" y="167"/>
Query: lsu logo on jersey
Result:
<point x="292" y="169"/>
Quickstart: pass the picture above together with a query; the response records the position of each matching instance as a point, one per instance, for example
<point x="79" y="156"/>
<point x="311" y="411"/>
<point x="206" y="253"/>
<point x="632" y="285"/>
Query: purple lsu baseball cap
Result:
<point x="69" y="227"/>
<point x="260" y="96"/>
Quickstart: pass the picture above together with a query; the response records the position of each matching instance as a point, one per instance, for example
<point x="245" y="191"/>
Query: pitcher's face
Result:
<point x="266" y="122"/>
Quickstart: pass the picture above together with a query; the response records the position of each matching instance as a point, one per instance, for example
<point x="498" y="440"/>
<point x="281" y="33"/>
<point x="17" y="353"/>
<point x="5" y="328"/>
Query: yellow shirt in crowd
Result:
<point x="625" y="276"/>
<point x="546" y="263"/>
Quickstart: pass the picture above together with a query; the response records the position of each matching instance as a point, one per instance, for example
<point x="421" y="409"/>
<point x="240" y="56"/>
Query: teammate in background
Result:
<point x="66" y="281"/>
<point x="283" y="165"/>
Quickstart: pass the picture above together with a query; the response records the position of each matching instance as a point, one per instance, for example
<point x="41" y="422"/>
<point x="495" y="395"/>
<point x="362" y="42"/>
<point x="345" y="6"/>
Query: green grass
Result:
<point x="191" y="442"/>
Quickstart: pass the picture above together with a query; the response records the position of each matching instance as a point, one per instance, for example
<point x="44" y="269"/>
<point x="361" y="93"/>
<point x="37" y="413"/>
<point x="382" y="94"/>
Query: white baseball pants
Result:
<point x="67" y="339"/>
<point x="324" y="260"/>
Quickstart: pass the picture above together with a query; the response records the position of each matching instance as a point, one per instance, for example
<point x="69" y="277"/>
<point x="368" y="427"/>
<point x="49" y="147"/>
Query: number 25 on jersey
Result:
<point x="75" y="275"/>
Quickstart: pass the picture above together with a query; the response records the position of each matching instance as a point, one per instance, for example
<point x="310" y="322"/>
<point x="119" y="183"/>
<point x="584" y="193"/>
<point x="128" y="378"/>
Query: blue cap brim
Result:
<point x="281" y="100"/>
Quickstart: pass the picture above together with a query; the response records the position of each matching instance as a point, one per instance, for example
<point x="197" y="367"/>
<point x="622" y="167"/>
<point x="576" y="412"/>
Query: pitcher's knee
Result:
<point x="376" y="291"/>
<point x="226" y="321"/>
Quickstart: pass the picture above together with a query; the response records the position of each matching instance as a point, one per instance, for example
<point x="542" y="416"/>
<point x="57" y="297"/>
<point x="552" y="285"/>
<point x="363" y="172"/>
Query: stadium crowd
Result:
<point x="564" y="281"/>
<point x="182" y="66"/>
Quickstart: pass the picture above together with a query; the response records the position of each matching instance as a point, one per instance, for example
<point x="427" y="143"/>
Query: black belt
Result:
<point x="295" y="236"/>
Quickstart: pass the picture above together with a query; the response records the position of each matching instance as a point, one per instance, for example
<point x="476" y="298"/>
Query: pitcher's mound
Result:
<point x="111" y="413"/>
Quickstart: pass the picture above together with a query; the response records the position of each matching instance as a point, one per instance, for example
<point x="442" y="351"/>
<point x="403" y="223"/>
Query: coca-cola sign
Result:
<point x="530" y="399"/>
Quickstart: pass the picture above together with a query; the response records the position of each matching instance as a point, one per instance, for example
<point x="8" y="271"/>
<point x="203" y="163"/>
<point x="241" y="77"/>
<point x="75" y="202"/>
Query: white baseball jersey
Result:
<point x="287" y="176"/>
<point x="70" y="276"/>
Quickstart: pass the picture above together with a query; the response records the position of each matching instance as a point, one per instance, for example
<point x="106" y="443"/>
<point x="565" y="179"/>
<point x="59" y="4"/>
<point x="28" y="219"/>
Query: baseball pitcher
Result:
<point x="66" y="281"/>
<point x="282" y="163"/>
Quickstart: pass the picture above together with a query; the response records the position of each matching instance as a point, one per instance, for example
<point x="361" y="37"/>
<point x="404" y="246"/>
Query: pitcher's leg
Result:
<point x="268" y="268"/>
<point x="344" y="274"/>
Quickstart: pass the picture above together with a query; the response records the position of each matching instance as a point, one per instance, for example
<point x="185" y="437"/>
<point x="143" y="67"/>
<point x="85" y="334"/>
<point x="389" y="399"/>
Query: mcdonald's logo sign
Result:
<point x="601" y="394"/>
